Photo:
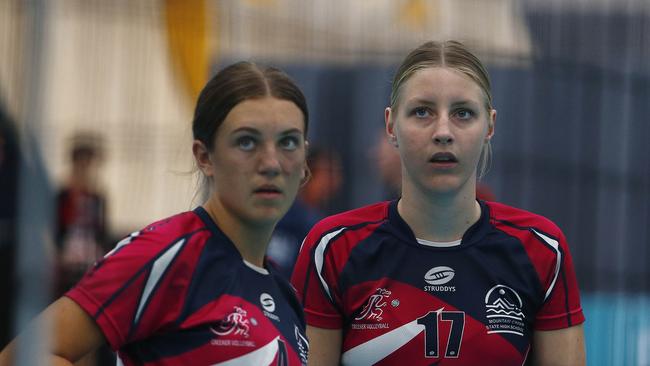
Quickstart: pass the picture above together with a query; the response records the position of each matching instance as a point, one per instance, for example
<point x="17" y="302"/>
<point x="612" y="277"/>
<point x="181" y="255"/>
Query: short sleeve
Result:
<point x="314" y="278"/>
<point x="136" y="288"/>
<point x="561" y="308"/>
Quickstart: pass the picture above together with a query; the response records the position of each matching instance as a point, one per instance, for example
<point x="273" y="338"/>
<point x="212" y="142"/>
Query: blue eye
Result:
<point x="289" y="143"/>
<point x="464" y="114"/>
<point x="246" y="143"/>
<point x="421" y="112"/>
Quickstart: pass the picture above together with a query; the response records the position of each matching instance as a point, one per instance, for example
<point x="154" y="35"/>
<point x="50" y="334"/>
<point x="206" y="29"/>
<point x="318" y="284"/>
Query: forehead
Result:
<point x="441" y="82"/>
<point x="264" y="114"/>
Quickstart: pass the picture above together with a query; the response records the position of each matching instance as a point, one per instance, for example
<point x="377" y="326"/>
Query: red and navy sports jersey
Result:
<point x="179" y="293"/>
<point x="402" y="302"/>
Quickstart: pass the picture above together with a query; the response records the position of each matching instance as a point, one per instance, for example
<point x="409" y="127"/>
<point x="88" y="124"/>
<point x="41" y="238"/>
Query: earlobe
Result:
<point x="306" y="176"/>
<point x="491" y="124"/>
<point x="393" y="140"/>
<point x="202" y="157"/>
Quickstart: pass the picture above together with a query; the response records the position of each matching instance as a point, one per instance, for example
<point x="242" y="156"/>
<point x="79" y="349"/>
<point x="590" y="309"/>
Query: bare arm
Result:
<point x="563" y="347"/>
<point x="324" y="346"/>
<point x="73" y="334"/>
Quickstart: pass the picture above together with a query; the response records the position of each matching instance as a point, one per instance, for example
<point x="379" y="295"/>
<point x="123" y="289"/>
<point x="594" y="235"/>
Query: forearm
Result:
<point x="73" y="334"/>
<point x="8" y="357"/>
<point x="324" y="346"/>
<point x="563" y="347"/>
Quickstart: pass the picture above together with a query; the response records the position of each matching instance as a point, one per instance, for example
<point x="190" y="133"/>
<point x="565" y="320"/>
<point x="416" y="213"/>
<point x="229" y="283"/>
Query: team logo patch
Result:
<point x="436" y="277"/>
<point x="268" y="306"/>
<point x="503" y="308"/>
<point x="235" y="323"/>
<point x="374" y="310"/>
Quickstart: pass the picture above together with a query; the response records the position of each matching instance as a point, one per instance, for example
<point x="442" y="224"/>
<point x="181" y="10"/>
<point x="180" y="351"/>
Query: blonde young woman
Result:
<point x="194" y="288"/>
<point x="437" y="276"/>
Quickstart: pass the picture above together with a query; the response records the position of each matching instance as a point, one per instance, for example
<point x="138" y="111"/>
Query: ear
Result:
<point x="491" y="124"/>
<point x="390" y="126"/>
<point x="202" y="158"/>
<point x="306" y="172"/>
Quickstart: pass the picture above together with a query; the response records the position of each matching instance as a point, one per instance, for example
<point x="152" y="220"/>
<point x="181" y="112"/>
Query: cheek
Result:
<point x="475" y="146"/>
<point x="227" y="172"/>
<point x="294" y="163"/>
<point x="295" y="169"/>
<point x="411" y="134"/>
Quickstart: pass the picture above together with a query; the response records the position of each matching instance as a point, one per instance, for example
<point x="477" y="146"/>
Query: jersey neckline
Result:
<point x="474" y="233"/>
<point x="438" y="244"/>
<point x="217" y="232"/>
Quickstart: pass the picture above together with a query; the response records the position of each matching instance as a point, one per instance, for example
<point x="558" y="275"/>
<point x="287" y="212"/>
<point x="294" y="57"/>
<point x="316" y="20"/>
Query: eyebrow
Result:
<point x="459" y="103"/>
<point x="256" y="132"/>
<point x="465" y="103"/>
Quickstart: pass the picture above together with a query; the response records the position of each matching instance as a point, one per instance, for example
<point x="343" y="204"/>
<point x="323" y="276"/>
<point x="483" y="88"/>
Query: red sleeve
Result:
<point x="315" y="277"/>
<point x="138" y="287"/>
<point x="109" y="292"/>
<point x="561" y="308"/>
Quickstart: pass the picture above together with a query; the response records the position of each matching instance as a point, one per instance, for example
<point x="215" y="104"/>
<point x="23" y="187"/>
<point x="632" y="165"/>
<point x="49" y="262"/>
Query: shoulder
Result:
<point x="373" y="213"/>
<point x="350" y="227"/>
<point x="176" y="225"/>
<point x="169" y="232"/>
<point x="516" y="218"/>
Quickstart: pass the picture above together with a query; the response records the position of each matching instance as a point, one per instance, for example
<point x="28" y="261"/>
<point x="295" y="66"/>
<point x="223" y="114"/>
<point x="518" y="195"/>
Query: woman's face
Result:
<point x="258" y="159"/>
<point x="440" y="125"/>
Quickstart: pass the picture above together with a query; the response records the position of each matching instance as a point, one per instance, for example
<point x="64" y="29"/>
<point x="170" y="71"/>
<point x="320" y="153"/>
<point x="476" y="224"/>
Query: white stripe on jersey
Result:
<point x="558" y="260"/>
<point x="261" y="356"/>
<point x="378" y="348"/>
<point x="319" y="258"/>
<point x="123" y="242"/>
<point x="158" y="269"/>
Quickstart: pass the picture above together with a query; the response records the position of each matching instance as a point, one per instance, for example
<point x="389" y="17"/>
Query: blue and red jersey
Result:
<point x="179" y="292"/>
<point x="399" y="301"/>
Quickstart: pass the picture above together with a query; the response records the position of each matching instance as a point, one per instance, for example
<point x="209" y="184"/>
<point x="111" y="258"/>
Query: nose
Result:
<point x="442" y="132"/>
<point x="269" y="163"/>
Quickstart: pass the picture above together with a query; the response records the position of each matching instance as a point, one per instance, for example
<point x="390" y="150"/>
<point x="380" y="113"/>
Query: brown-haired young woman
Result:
<point x="194" y="288"/>
<point x="437" y="276"/>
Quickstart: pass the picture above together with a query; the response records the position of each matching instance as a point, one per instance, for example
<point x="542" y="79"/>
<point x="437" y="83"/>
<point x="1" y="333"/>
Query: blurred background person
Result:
<point x="311" y="205"/>
<point x="326" y="179"/>
<point x="81" y="230"/>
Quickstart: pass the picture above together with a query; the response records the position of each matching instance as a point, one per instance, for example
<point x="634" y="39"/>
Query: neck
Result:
<point x="439" y="217"/>
<point x="250" y="239"/>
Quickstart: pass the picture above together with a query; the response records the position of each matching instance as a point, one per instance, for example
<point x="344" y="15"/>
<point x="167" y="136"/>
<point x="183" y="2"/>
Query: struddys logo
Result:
<point x="235" y="324"/>
<point x="268" y="306"/>
<point x="303" y="345"/>
<point x="503" y="308"/>
<point x="438" y="277"/>
<point x="374" y="310"/>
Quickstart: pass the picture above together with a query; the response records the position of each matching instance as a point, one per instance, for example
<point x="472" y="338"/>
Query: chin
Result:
<point x="267" y="215"/>
<point x="444" y="184"/>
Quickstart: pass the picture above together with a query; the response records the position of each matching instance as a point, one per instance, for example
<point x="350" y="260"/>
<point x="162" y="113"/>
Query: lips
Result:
<point x="443" y="158"/>
<point x="268" y="189"/>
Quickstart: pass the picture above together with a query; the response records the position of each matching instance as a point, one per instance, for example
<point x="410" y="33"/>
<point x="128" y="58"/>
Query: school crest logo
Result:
<point x="503" y="308"/>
